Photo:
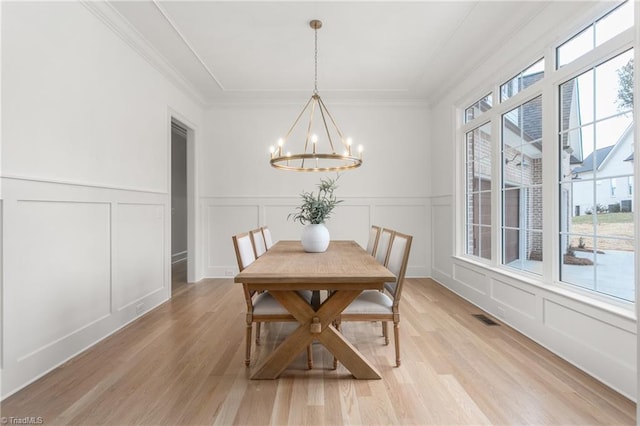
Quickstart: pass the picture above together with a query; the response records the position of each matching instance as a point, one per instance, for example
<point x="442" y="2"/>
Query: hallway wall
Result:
<point x="85" y="173"/>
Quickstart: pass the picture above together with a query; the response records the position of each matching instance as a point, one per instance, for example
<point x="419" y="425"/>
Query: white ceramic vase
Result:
<point x="315" y="238"/>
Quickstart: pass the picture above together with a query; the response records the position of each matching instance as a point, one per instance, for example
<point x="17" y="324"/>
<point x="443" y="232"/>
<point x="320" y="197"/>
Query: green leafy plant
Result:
<point x="316" y="209"/>
<point x="625" y="86"/>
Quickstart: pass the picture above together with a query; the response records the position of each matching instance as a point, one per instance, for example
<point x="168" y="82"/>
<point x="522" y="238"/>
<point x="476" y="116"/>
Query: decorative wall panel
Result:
<point x="351" y="221"/>
<point x="223" y="221"/>
<point x="57" y="271"/>
<point x="514" y="297"/>
<point x="471" y="279"/>
<point x="140" y="252"/>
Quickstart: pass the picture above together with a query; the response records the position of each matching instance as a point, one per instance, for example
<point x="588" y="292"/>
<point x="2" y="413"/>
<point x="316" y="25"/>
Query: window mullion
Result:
<point x="496" y="187"/>
<point x="550" y="178"/>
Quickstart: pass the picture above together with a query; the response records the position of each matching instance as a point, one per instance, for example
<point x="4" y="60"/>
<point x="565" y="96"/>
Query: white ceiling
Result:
<point x="367" y="50"/>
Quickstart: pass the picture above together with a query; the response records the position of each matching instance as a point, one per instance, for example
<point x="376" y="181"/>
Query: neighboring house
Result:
<point x="606" y="173"/>
<point x="522" y="170"/>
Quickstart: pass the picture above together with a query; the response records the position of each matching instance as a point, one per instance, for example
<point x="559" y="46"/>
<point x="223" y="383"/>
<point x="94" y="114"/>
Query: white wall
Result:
<point x="241" y="191"/>
<point x="597" y="338"/>
<point x="85" y="184"/>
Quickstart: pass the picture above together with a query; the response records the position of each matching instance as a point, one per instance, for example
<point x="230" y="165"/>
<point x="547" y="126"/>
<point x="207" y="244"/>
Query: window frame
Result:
<point x="548" y="88"/>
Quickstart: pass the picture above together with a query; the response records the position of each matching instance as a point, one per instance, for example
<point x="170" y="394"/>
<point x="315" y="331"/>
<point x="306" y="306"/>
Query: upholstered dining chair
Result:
<point x="382" y="246"/>
<point x="374" y="235"/>
<point x="373" y="305"/>
<point x="257" y="239"/>
<point x="266" y="234"/>
<point x="261" y="307"/>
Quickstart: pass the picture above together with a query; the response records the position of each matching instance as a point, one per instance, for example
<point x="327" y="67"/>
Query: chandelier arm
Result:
<point x="297" y="119"/>
<point x="326" y="128"/>
<point x="334" y="122"/>
<point x="306" y="142"/>
<point x="318" y="161"/>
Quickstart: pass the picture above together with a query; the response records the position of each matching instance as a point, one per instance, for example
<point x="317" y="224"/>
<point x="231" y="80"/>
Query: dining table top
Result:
<point x="344" y="265"/>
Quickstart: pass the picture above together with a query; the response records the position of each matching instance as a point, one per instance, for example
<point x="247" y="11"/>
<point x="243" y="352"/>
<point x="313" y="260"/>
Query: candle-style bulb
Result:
<point x="280" y="143"/>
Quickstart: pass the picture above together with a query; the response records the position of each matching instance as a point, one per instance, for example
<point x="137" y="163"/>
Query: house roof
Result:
<point x="629" y="158"/>
<point x="596" y="157"/>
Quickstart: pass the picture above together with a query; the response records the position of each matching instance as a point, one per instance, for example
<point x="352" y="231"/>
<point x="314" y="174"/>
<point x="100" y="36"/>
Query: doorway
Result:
<point x="179" y="206"/>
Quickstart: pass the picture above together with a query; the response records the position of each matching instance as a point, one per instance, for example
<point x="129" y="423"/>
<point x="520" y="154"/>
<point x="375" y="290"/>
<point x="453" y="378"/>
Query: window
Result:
<point x="478" y="191"/>
<point x="522" y="187"/>
<point x="523" y="80"/>
<point x="596" y="136"/>
<point x="594" y="35"/>
<point x="613" y="187"/>
<point x="478" y="108"/>
<point x="592" y="250"/>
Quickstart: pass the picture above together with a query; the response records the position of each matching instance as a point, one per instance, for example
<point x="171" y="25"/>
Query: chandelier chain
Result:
<point x="315" y="83"/>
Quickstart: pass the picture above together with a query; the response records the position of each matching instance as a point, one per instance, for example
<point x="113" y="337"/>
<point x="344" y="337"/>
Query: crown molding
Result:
<point x="275" y="101"/>
<point x="113" y="20"/>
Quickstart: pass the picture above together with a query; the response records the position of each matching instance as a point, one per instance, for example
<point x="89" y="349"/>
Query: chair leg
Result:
<point x="247" y="356"/>
<point x="385" y="332"/>
<point x="396" y="335"/>
<point x="257" y="333"/>
<point x="309" y="357"/>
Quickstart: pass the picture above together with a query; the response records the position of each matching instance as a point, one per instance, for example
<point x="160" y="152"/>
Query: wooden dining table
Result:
<point x="345" y="270"/>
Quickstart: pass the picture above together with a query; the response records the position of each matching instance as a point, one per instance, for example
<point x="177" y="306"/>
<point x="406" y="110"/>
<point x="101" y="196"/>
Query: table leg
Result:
<point x="315" y="300"/>
<point x="315" y="325"/>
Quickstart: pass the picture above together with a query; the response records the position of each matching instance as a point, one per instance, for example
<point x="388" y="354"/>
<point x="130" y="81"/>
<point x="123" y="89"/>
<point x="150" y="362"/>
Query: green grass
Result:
<point x="604" y="218"/>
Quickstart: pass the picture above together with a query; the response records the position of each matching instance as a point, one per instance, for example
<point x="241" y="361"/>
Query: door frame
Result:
<point x="192" y="190"/>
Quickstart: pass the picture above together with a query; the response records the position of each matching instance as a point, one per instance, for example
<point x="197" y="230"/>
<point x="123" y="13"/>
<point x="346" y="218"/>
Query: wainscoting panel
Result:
<point x="600" y="341"/>
<point x="347" y="223"/>
<point x="514" y="297"/>
<point x="80" y="262"/>
<point x="408" y="218"/>
<point x="600" y="336"/>
<point x="441" y="243"/>
<point x="58" y="263"/>
<point x="275" y="216"/>
<point x="351" y="221"/>
<point x="223" y="221"/>
<point x="140" y="251"/>
<point x="607" y="351"/>
<point x="473" y="280"/>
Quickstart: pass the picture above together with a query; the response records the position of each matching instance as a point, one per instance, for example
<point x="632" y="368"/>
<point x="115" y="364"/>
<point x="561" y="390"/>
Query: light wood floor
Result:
<point x="183" y="364"/>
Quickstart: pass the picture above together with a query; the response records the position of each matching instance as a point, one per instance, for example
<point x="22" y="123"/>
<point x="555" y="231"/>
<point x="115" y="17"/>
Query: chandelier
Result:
<point x="334" y="154"/>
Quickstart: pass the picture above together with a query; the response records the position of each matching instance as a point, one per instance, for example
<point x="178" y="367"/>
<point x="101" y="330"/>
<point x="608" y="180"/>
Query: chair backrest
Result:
<point x="243" y="246"/>
<point x="266" y="234"/>
<point x="257" y="239"/>
<point x="397" y="263"/>
<point x="382" y="248"/>
<point x="374" y="235"/>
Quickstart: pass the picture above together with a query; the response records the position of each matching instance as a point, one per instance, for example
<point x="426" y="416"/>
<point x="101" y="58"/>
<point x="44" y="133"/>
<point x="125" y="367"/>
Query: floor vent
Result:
<point x="485" y="319"/>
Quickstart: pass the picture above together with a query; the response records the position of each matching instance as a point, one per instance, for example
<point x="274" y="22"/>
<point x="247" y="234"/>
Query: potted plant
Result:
<point x="313" y="212"/>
